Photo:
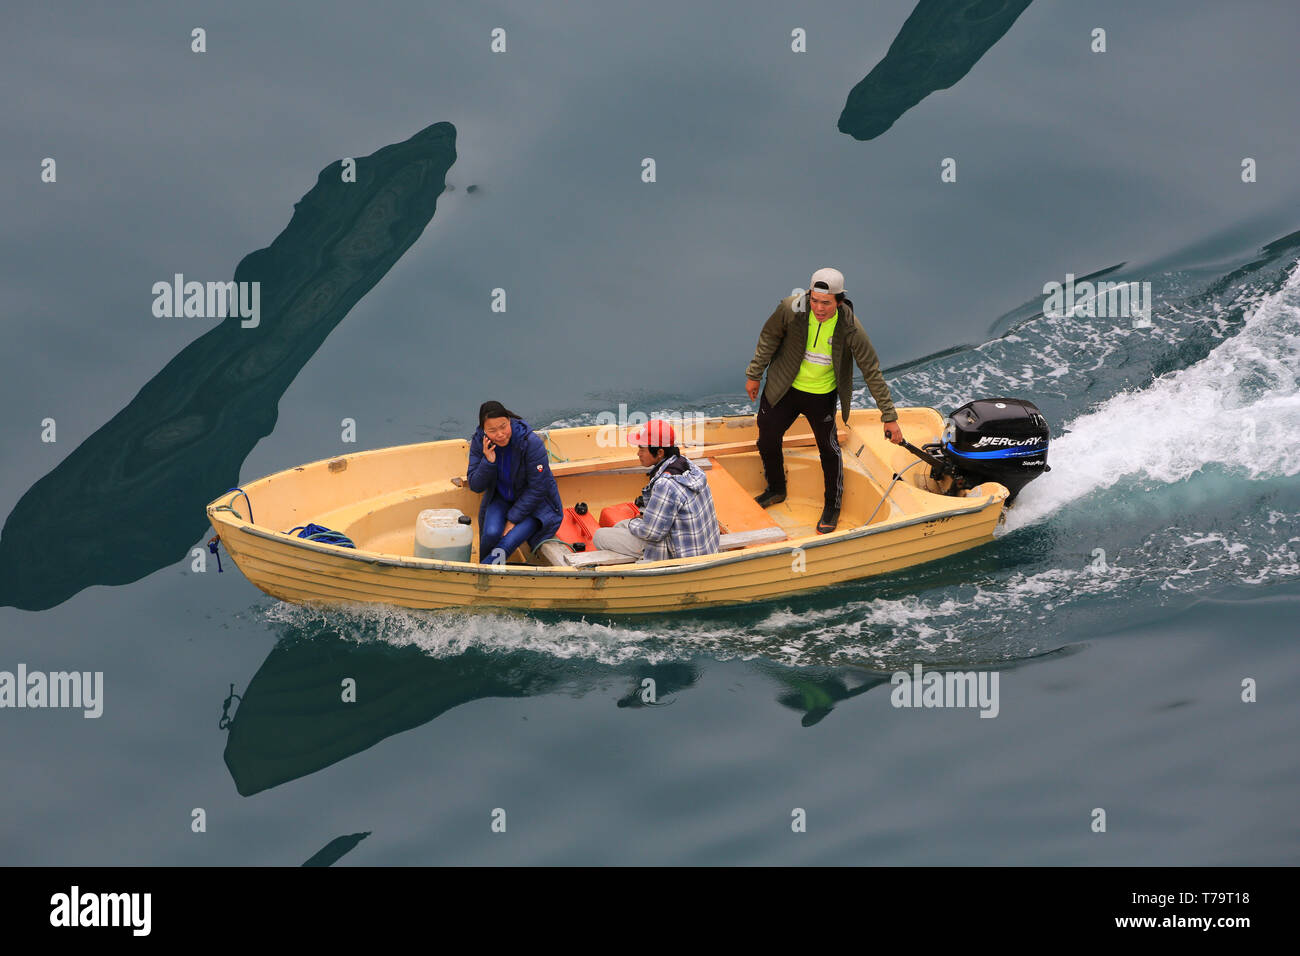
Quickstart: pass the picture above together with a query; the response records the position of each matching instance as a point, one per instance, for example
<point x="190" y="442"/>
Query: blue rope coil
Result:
<point x="322" y="535"/>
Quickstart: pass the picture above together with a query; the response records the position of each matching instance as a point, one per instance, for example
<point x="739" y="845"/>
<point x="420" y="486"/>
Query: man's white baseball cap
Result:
<point x="827" y="280"/>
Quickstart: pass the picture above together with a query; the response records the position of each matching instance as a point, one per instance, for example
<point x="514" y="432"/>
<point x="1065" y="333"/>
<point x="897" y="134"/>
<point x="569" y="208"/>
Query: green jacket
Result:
<point x="780" y="352"/>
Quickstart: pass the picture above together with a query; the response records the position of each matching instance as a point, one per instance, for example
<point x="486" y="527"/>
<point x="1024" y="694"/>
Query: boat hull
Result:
<point x="924" y="527"/>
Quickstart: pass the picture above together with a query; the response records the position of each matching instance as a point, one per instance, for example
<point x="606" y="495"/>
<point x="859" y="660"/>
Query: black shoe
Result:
<point x="770" y="497"/>
<point x="830" y="518"/>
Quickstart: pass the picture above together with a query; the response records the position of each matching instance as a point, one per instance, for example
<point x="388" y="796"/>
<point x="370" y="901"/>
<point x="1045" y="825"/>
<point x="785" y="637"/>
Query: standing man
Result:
<point x="807" y="359"/>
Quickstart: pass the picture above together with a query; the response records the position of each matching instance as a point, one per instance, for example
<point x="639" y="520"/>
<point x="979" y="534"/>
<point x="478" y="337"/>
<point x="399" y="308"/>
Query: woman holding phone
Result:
<point x="509" y="467"/>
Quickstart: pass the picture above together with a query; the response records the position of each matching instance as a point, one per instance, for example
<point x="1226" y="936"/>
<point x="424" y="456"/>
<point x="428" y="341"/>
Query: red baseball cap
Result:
<point x="655" y="433"/>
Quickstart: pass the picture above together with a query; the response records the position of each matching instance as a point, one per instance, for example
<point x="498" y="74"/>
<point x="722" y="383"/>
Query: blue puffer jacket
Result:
<point x="536" y="492"/>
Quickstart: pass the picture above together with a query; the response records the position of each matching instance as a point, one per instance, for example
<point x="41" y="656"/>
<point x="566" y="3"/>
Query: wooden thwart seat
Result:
<point x="736" y="507"/>
<point x="587" y="466"/>
<point x="557" y="553"/>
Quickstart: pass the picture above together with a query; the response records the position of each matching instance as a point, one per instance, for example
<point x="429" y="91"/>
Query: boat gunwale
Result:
<point x="629" y="569"/>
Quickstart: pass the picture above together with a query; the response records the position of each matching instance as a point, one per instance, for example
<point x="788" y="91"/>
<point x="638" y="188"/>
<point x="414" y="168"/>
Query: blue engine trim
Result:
<point x="1017" y="452"/>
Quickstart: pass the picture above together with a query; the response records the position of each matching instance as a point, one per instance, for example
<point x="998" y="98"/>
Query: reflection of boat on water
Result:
<point x="293" y="721"/>
<point x="936" y="47"/>
<point x="187" y="432"/>
<point x="815" y="693"/>
<point x="894" y="515"/>
<point x="336" y="849"/>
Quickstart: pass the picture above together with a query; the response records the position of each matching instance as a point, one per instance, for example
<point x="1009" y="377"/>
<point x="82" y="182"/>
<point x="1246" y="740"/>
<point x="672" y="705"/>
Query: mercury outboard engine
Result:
<point x="990" y="439"/>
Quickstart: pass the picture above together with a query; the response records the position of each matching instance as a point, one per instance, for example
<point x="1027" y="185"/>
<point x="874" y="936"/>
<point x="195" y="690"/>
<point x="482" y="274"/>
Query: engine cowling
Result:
<point x="997" y="439"/>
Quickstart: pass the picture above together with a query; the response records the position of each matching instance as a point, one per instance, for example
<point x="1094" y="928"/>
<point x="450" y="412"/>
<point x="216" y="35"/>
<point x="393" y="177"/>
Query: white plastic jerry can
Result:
<point x="444" y="534"/>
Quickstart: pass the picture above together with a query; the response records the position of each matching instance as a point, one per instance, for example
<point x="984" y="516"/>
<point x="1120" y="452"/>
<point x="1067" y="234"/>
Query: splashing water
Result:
<point x="1239" y="407"/>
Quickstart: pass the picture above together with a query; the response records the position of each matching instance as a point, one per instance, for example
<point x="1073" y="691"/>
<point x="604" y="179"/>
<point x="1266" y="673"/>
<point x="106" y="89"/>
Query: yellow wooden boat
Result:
<point x="374" y="497"/>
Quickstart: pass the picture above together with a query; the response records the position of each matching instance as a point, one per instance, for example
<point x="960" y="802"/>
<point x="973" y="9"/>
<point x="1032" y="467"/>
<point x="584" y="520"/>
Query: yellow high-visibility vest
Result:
<point x="816" y="374"/>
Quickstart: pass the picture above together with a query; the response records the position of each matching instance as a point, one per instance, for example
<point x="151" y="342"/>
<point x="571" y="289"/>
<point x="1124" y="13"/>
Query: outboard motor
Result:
<point x="991" y="439"/>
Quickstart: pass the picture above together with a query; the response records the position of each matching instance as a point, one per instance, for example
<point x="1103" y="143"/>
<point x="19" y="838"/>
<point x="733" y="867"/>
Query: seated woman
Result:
<point x="509" y="466"/>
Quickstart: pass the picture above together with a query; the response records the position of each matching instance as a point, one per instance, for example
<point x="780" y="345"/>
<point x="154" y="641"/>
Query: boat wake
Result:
<point x="1238" y="408"/>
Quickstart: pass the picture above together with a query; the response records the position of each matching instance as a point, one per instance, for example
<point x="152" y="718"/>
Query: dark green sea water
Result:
<point x="1132" y="592"/>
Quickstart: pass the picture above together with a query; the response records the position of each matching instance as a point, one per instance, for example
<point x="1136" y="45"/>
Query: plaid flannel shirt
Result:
<point x="679" y="520"/>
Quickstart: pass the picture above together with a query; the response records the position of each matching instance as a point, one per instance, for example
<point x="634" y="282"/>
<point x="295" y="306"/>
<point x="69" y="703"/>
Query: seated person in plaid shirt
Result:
<point x="678" y="519"/>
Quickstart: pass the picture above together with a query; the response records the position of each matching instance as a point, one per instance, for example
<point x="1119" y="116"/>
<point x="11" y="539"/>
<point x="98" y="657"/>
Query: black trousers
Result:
<point x="775" y="420"/>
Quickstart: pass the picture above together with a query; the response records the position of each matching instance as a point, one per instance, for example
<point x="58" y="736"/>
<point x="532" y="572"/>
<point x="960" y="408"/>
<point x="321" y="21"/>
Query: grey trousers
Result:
<point x="619" y="539"/>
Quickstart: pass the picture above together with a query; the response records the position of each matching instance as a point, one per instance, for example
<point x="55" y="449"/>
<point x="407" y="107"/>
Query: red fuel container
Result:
<point x="577" y="528"/>
<point x="615" y="513"/>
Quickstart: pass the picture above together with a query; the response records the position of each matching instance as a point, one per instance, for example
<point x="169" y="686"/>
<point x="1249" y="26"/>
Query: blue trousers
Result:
<point x="492" y="538"/>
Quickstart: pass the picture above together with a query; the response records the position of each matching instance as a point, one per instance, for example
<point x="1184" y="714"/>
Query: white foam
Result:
<point x="1239" y="407"/>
